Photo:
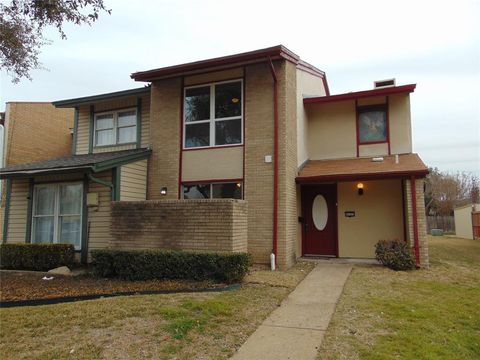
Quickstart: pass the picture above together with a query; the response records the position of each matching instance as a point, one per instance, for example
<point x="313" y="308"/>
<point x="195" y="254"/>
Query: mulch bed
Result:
<point x="15" y="286"/>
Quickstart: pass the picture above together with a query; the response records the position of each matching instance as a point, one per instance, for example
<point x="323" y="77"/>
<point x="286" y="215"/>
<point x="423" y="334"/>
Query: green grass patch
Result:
<point x="425" y="314"/>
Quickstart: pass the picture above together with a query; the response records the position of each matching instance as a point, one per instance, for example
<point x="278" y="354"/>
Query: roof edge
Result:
<point x="409" y="88"/>
<point x="274" y="51"/>
<point x="100" y="97"/>
<point x="365" y="176"/>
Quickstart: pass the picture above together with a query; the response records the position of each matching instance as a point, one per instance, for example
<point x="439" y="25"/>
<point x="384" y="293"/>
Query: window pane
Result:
<point x="197" y="135"/>
<point x="44" y="200"/>
<point x="43" y="229"/>
<point x="199" y="191"/>
<point x="197" y="104"/>
<point x="69" y="230"/>
<point x="70" y="199"/>
<point x="228" y="132"/>
<point x="227" y="190"/>
<point x="127" y="118"/>
<point x="372" y="126"/>
<point x="128" y="134"/>
<point x="105" y="137"/>
<point x="228" y="100"/>
<point x="104" y="121"/>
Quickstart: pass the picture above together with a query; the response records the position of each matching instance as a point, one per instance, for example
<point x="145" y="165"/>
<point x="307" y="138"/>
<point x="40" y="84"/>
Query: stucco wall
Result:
<point x="211" y="164"/>
<point x="332" y="129"/>
<point x="378" y="216"/>
<point x="306" y="85"/>
<point x="202" y="225"/>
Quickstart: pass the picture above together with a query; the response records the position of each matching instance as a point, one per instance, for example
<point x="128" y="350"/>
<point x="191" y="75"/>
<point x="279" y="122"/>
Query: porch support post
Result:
<point x="413" y="188"/>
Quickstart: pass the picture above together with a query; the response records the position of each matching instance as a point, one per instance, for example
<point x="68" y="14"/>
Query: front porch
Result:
<point x="347" y="206"/>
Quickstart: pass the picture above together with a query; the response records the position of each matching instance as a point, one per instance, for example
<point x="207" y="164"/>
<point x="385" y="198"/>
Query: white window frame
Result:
<point x="190" y="183"/>
<point x="56" y="211"/>
<point x="212" y="119"/>
<point x="115" y="127"/>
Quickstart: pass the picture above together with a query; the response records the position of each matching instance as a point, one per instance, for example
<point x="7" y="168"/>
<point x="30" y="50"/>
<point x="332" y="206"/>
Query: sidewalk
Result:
<point x="295" y="330"/>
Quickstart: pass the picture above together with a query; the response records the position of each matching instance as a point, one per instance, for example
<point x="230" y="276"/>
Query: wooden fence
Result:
<point x="446" y="223"/>
<point x="476" y="224"/>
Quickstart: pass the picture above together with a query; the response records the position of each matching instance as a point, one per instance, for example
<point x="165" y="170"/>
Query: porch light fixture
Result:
<point x="163" y="191"/>
<point x="360" y="188"/>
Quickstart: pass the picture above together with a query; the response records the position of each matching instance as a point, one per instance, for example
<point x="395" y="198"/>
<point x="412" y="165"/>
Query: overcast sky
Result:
<point x="435" y="44"/>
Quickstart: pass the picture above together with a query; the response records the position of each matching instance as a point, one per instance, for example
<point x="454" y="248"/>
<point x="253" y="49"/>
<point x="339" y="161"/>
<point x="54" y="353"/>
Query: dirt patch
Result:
<point x="30" y="286"/>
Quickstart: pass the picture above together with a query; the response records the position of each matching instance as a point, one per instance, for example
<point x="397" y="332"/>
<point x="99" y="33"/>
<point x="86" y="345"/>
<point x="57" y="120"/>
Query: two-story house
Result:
<point x="247" y="152"/>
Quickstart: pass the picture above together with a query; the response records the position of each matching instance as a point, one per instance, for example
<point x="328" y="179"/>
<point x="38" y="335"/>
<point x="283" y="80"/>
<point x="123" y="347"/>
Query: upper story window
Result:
<point x="372" y="124"/>
<point x="116" y="127"/>
<point x="213" y="115"/>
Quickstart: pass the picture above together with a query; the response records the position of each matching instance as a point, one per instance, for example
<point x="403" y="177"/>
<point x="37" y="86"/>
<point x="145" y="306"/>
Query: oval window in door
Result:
<point x="320" y="212"/>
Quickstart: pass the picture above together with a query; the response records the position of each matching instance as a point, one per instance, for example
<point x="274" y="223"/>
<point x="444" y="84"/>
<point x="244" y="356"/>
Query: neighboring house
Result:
<point x="32" y="131"/>
<point x="247" y="152"/>
<point x="467" y="221"/>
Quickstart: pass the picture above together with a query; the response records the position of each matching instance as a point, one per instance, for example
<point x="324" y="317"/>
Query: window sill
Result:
<point x="114" y="145"/>
<point x="212" y="147"/>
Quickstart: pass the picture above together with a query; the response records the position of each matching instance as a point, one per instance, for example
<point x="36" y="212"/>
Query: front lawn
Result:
<point x="181" y="326"/>
<point x="425" y="314"/>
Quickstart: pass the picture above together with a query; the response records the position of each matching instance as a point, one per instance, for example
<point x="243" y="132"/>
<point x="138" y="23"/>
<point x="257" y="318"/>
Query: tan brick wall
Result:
<point x="163" y="166"/>
<point x="287" y="209"/>
<point x="258" y="174"/>
<point x="202" y="225"/>
<point x="36" y="131"/>
<point x="421" y="219"/>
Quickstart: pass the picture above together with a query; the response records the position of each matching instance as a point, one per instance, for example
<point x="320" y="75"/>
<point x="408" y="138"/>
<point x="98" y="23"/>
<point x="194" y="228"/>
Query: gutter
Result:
<point x="104" y="183"/>
<point x="275" y="160"/>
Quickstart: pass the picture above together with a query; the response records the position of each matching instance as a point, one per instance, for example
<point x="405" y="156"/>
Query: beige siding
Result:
<point x="133" y="181"/>
<point x="214" y="76"/>
<point x="307" y="85"/>
<point x="378" y="216"/>
<point x="84" y="123"/>
<point x="332" y="132"/>
<point x="17" y="222"/>
<point x="99" y="217"/>
<point x="210" y="164"/>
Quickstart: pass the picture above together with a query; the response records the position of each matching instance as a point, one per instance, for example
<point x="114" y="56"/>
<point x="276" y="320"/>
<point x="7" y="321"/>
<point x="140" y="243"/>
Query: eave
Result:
<point x="69" y="103"/>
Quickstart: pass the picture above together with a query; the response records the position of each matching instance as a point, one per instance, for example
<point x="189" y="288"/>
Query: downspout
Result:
<point x="414" y="222"/>
<point x="275" y="160"/>
<point x="104" y="183"/>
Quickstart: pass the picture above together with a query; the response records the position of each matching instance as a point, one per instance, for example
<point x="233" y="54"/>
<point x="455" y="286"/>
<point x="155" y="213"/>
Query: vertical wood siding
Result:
<point x="133" y="181"/>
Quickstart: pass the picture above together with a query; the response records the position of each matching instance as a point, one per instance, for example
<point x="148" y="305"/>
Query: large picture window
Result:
<point x="57" y="214"/>
<point x="224" y="190"/>
<point x="116" y="127"/>
<point x="372" y="124"/>
<point x="213" y="115"/>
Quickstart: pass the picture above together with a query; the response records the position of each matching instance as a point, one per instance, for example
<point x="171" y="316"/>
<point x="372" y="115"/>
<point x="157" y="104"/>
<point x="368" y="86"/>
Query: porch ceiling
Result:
<point x="76" y="163"/>
<point x="362" y="169"/>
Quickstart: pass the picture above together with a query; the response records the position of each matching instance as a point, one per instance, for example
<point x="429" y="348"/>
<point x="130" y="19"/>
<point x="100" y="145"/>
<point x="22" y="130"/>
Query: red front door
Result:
<point x="319" y="207"/>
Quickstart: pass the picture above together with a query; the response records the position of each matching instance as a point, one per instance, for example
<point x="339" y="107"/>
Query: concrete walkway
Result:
<point x="295" y="330"/>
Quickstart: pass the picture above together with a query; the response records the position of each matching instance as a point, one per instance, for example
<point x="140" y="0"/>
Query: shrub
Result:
<point x="394" y="254"/>
<point x="39" y="257"/>
<point x="163" y="264"/>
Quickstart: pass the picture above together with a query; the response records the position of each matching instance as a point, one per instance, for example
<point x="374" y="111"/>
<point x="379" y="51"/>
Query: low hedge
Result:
<point x="39" y="257"/>
<point x="394" y="254"/>
<point x="163" y="264"/>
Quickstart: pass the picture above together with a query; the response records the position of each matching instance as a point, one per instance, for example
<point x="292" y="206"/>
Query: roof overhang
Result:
<point x="274" y="53"/>
<point x="361" y="94"/>
<point x="358" y="169"/>
<point x="31" y="170"/>
<point x="99" y="98"/>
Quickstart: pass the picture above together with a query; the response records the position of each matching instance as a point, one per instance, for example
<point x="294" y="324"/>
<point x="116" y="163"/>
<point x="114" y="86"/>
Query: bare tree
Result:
<point x="21" y="29"/>
<point x="444" y="191"/>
